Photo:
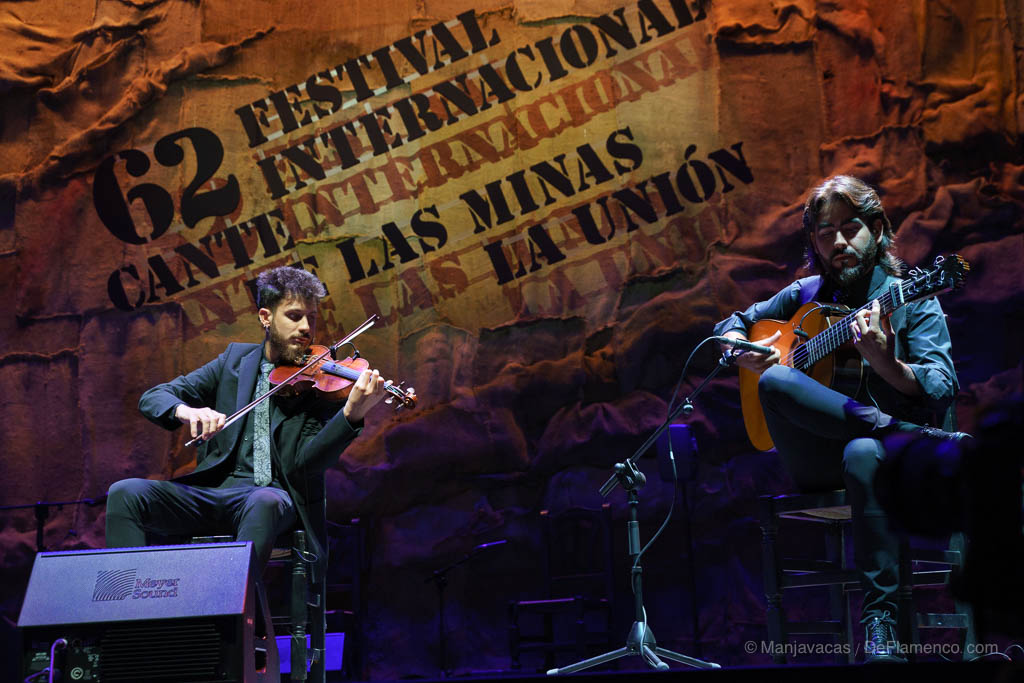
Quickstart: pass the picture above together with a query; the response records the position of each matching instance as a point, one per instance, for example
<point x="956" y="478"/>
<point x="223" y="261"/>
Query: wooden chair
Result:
<point x="577" y="571"/>
<point x="306" y="603"/>
<point x="834" y="570"/>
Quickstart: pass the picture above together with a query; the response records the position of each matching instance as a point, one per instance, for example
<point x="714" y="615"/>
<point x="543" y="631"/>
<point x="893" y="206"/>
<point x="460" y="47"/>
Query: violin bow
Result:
<point x="242" y="412"/>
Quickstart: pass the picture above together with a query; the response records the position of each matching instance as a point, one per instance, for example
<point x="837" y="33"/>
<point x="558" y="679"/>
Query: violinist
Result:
<point x="260" y="475"/>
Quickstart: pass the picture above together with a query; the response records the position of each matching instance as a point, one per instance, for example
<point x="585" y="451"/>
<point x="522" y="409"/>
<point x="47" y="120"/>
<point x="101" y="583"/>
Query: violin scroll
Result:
<point x="406" y="397"/>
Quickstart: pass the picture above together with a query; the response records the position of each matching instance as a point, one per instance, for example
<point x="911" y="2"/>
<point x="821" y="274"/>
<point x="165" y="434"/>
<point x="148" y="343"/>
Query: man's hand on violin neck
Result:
<point x="202" y="422"/>
<point x="365" y="394"/>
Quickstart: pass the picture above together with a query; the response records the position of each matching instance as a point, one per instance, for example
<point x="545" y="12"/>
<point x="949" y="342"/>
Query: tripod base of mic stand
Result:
<point x="640" y="642"/>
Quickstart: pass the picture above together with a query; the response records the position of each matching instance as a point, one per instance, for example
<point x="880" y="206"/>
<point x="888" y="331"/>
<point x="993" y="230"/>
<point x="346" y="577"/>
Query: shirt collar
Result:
<point x="858" y="294"/>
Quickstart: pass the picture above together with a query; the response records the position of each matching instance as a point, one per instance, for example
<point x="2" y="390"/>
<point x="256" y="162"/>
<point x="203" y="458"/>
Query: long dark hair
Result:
<point x="863" y="199"/>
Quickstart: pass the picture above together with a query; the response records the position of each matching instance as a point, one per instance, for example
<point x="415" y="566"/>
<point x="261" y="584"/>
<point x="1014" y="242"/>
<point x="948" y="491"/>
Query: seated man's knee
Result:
<point x="127" y="491"/>
<point x="267" y="502"/>
<point x="774" y="381"/>
<point x="861" y="458"/>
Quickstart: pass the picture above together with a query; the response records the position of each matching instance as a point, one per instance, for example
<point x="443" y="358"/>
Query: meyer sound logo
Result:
<point x="119" y="584"/>
<point x="115" y="584"/>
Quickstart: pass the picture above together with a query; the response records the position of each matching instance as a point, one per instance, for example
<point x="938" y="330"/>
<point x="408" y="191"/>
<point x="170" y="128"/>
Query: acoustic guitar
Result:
<point x="817" y="339"/>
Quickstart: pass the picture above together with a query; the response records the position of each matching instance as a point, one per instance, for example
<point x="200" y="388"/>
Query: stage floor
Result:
<point x="927" y="672"/>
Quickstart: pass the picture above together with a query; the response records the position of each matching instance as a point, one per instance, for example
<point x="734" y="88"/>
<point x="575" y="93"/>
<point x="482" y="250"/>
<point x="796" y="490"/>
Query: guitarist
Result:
<point x="827" y="440"/>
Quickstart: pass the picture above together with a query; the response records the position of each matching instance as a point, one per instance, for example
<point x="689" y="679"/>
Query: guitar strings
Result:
<point x="834" y="336"/>
<point x="831" y="337"/>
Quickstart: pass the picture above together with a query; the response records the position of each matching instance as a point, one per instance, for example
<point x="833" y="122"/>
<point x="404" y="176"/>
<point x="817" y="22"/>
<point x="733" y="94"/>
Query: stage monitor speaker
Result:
<point x="181" y="614"/>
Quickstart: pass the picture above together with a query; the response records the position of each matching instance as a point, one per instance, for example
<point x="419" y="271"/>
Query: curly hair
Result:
<point x="863" y="199"/>
<point x="274" y="285"/>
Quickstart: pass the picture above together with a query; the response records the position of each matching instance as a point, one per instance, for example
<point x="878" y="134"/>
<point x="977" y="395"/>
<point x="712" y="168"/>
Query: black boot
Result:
<point x="936" y="433"/>
<point x="880" y="644"/>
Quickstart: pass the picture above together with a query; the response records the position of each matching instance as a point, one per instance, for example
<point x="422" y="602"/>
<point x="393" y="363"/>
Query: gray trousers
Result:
<point x="828" y="441"/>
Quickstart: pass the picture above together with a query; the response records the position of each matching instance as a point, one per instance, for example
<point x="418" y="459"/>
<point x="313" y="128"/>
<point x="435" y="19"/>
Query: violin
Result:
<point x="333" y="380"/>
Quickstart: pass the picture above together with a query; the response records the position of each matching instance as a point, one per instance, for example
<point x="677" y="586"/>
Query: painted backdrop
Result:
<point x="548" y="204"/>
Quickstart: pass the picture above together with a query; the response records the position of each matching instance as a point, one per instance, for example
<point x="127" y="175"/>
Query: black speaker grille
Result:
<point x="179" y="652"/>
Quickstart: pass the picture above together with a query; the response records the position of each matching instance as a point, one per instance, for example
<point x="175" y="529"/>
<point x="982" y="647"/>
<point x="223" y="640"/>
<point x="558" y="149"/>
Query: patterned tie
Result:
<point x="261" y="430"/>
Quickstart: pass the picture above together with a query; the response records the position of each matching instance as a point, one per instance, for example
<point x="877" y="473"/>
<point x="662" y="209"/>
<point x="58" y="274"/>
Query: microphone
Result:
<point x="745" y="345"/>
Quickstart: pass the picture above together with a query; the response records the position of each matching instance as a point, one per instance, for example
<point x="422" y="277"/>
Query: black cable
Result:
<point x="671" y="507"/>
<point x="682" y="375"/>
<point x="671" y="455"/>
<point x="51" y="672"/>
<point x="1011" y="647"/>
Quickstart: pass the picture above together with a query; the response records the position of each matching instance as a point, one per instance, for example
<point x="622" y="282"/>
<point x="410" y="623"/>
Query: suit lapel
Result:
<point x="248" y="371"/>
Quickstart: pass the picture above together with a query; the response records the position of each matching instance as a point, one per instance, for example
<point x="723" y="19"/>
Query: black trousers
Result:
<point x="827" y="441"/>
<point x="252" y="513"/>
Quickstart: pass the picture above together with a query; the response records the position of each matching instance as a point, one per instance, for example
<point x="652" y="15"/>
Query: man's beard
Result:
<point x="865" y="263"/>
<point x="287" y="354"/>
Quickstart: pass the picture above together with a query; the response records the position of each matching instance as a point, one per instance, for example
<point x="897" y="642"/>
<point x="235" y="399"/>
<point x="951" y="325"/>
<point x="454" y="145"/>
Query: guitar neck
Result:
<point x="826" y="342"/>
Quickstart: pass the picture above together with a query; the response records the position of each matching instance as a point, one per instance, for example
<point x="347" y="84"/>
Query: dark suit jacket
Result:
<point x="307" y="433"/>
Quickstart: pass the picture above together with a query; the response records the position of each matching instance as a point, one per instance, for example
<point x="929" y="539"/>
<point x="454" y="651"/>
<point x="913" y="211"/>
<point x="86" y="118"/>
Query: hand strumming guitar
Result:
<point x="873" y="338"/>
<point x="756" y="361"/>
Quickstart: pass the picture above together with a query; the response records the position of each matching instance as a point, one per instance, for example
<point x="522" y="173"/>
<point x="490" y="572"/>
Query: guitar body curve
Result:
<point x="841" y="373"/>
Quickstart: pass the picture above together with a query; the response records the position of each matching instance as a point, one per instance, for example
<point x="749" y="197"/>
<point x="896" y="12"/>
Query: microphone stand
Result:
<point x="42" y="513"/>
<point x="440" y="579"/>
<point x="640" y="640"/>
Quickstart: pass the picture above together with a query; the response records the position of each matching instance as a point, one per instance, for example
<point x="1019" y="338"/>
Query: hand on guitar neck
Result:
<point x="871" y="332"/>
<point x="756" y="361"/>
